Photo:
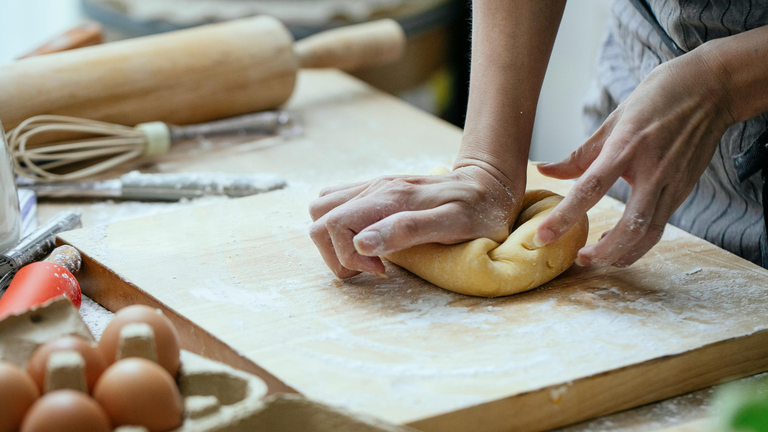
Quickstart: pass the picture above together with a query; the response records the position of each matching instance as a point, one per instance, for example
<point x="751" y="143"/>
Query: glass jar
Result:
<point x="10" y="216"/>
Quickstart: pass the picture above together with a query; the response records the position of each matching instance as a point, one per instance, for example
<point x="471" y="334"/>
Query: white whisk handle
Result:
<point x="158" y="138"/>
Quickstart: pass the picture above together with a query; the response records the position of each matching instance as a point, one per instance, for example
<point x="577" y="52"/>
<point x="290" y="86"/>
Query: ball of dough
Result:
<point x="485" y="268"/>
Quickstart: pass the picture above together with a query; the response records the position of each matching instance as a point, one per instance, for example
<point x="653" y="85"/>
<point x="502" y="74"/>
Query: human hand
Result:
<point x="355" y="224"/>
<point x="660" y="140"/>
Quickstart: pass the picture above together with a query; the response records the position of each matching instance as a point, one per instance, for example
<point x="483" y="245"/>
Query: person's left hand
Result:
<point x="660" y="140"/>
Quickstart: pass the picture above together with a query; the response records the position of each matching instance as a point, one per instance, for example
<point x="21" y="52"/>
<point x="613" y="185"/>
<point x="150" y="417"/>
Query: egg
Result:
<point x="166" y="336"/>
<point x="94" y="360"/>
<point x="17" y="393"/>
<point x="66" y="411"/>
<point x="138" y="392"/>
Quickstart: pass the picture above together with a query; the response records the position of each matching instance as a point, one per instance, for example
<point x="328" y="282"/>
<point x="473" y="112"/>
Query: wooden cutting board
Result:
<point x="244" y="284"/>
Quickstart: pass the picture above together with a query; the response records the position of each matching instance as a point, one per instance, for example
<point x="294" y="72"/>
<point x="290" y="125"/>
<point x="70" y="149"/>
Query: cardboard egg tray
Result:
<point x="217" y="398"/>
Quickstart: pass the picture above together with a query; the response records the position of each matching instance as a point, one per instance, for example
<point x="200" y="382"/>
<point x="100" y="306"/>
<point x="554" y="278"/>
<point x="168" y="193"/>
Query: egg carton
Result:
<point x="217" y="398"/>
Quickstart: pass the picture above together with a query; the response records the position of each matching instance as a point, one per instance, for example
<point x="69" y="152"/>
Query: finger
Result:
<point x="446" y="224"/>
<point x="587" y="191"/>
<point x="342" y="236"/>
<point x="632" y="227"/>
<point x="346" y="221"/>
<point x="332" y="197"/>
<point x="322" y="239"/>
<point x="379" y="200"/>
<point x="574" y="165"/>
<point x="320" y="206"/>
<point x="579" y="161"/>
<point x="380" y="180"/>
<point x="667" y="206"/>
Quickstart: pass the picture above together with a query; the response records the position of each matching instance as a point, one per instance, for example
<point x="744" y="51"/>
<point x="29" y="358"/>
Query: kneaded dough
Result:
<point x="485" y="268"/>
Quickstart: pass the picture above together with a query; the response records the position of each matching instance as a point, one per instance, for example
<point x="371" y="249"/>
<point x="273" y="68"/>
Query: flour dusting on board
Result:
<point x="435" y="309"/>
<point x="671" y="412"/>
<point x="404" y="345"/>
<point x="108" y="212"/>
<point x="215" y="290"/>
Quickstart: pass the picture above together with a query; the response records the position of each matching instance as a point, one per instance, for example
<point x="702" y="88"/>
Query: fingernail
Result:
<point x="543" y="238"/>
<point x="382" y="275"/>
<point x="582" y="262"/>
<point x="368" y="243"/>
<point x="540" y="163"/>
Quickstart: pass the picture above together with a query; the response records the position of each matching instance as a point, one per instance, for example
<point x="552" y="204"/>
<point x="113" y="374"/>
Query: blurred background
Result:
<point x="433" y="74"/>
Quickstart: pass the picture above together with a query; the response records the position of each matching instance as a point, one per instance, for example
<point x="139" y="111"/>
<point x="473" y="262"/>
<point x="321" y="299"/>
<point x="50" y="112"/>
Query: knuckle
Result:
<point x="405" y="226"/>
<point x="389" y="185"/>
<point x="334" y="221"/>
<point x="376" y="185"/>
<point x="559" y="221"/>
<point x="381" y="181"/>
<point x="316" y="209"/>
<point x="579" y="155"/>
<point x="590" y="187"/>
<point x="655" y="233"/>
<point x="474" y="192"/>
<point x="317" y="231"/>
<point x="400" y="184"/>
<point x="638" y="223"/>
<point x="579" y="158"/>
<point x="347" y="257"/>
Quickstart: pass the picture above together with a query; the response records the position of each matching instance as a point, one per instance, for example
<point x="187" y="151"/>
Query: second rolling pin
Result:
<point x="187" y="76"/>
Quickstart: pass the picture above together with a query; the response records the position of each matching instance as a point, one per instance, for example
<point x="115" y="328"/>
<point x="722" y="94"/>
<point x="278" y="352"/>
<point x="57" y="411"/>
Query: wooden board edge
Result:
<point x="611" y="391"/>
<point x="108" y="289"/>
<point x="693" y="426"/>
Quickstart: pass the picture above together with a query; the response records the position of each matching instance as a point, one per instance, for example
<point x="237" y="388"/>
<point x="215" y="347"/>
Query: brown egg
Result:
<point x="94" y="360"/>
<point x="136" y="391"/>
<point x="17" y="393"/>
<point x="66" y="411"/>
<point x="166" y="336"/>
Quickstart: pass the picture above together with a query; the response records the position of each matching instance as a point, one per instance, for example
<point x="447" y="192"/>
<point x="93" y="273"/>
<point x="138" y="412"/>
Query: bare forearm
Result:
<point x="741" y="65"/>
<point x="511" y="45"/>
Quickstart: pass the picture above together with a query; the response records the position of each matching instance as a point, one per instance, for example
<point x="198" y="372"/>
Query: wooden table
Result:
<point x="247" y="287"/>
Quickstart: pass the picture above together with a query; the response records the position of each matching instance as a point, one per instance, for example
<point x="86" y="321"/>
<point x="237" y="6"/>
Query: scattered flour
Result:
<point x="108" y="212"/>
<point x="96" y="317"/>
<point x="664" y="414"/>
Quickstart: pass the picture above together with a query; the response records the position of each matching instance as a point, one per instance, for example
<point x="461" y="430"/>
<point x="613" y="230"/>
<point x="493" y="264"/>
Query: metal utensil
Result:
<point x="35" y="246"/>
<point x="160" y="187"/>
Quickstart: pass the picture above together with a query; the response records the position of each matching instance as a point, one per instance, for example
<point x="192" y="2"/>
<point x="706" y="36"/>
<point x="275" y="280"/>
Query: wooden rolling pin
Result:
<point x="187" y="76"/>
<point x="83" y="35"/>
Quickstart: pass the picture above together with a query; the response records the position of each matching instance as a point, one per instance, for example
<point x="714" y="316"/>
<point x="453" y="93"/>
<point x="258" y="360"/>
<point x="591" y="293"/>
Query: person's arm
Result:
<point x="511" y="45"/>
<point x="741" y="64"/>
<point x="355" y="224"/>
<point x="661" y="140"/>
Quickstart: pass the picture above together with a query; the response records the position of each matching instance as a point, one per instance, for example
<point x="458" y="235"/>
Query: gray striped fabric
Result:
<point x="720" y="209"/>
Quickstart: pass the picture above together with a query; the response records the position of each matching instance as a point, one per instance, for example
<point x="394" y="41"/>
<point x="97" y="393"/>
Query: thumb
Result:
<point x="574" y="165"/>
<point x="410" y="228"/>
<point x="577" y="163"/>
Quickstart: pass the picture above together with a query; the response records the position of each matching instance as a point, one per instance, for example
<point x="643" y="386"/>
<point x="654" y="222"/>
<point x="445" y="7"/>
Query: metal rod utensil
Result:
<point x="35" y="246"/>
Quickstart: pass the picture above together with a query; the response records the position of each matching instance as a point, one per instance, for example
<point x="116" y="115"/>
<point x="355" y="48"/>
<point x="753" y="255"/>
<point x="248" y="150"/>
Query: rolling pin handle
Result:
<point x="267" y="122"/>
<point x="353" y="47"/>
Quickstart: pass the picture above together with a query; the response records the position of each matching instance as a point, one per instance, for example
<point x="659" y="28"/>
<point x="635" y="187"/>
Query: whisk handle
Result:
<point x="268" y="123"/>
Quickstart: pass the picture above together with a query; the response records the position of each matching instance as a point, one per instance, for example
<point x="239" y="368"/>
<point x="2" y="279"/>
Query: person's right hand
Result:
<point x="355" y="224"/>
